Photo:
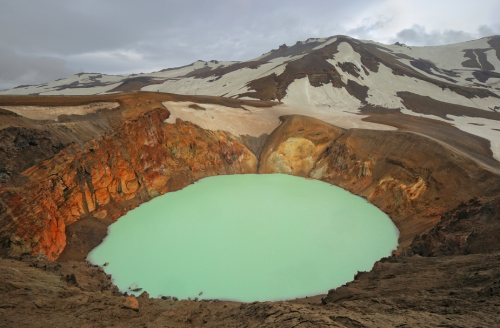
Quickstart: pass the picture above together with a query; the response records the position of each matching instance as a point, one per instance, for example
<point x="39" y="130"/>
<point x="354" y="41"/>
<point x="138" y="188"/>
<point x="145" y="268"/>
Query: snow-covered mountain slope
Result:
<point x="371" y="73"/>
<point x="95" y="83"/>
<point x="328" y="78"/>
<point x="470" y="69"/>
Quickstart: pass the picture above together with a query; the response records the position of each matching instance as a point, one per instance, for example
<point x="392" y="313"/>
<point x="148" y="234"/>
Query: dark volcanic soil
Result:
<point x="476" y="147"/>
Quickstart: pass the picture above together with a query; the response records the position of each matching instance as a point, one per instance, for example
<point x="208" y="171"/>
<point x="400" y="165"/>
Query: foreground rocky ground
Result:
<point x="461" y="289"/>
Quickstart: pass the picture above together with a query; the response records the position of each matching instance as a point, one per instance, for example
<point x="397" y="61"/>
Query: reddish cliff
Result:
<point x="141" y="158"/>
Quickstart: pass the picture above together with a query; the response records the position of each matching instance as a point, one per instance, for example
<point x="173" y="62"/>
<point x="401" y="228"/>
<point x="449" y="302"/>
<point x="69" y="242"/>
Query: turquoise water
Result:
<point x="246" y="238"/>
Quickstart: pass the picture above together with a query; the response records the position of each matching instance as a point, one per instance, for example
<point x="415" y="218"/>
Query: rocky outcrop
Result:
<point x="21" y="148"/>
<point x="295" y="146"/>
<point x="142" y="158"/>
<point x="471" y="228"/>
<point x="411" y="178"/>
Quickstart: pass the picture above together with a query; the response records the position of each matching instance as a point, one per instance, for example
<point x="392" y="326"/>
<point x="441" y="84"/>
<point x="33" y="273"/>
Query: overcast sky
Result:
<point x="43" y="40"/>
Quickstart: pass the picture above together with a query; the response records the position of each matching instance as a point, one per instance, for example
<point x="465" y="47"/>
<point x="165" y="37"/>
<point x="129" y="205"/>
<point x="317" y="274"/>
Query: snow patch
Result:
<point x="255" y="121"/>
<point x="82" y="91"/>
<point x="332" y="105"/>
<point x="301" y="93"/>
<point x="330" y="41"/>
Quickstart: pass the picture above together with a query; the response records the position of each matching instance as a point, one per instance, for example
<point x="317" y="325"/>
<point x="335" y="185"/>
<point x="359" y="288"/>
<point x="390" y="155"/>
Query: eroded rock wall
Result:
<point x="411" y="178"/>
<point x="142" y="158"/>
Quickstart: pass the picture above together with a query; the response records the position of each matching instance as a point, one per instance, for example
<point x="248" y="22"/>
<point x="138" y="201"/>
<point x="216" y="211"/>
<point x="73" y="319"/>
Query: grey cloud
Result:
<point x="226" y="30"/>
<point x="485" y="30"/>
<point x="417" y="35"/>
<point x="18" y="70"/>
<point x="71" y="27"/>
<point x="125" y="36"/>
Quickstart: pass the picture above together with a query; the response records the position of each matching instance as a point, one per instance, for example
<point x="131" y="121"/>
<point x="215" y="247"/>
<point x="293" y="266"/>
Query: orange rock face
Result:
<point x="142" y="159"/>
<point x="411" y="178"/>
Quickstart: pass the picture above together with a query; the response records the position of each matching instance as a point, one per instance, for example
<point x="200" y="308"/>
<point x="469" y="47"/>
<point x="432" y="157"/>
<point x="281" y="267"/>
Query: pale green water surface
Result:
<point x="246" y="237"/>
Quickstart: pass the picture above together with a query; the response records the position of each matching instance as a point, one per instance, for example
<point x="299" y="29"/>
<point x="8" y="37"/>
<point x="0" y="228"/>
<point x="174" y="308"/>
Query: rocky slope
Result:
<point x="471" y="228"/>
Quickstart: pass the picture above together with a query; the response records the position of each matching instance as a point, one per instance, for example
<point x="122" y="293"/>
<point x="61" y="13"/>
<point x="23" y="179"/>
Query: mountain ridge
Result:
<point x="333" y="77"/>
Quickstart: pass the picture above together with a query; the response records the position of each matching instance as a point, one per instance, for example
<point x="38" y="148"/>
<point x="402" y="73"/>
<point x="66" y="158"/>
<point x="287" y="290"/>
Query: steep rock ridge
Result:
<point x="140" y="159"/>
<point x="411" y="178"/>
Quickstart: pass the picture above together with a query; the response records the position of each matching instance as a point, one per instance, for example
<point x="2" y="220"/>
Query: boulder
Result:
<point x="131" y="303"/>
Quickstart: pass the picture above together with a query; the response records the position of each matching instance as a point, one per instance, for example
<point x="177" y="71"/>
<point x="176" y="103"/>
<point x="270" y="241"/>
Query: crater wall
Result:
<point x="64" y="203"/>
<point x="410" y="177"/>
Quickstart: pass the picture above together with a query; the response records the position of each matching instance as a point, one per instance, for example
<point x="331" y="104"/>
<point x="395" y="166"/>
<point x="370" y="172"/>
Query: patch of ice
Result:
<point x="384" y="85"/>
<point x="109" y="93"/>
<point x="332" y="105"/>
<point x="485" y="130"/>
<point x="301" y="93"/>
<point x="53" y="87"/>
<point x="392" y="84"/>
<point x="255" y="121"/>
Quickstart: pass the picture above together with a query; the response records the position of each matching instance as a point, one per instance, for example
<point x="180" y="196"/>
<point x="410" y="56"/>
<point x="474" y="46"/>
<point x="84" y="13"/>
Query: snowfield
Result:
<point x="256" y="121"/>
